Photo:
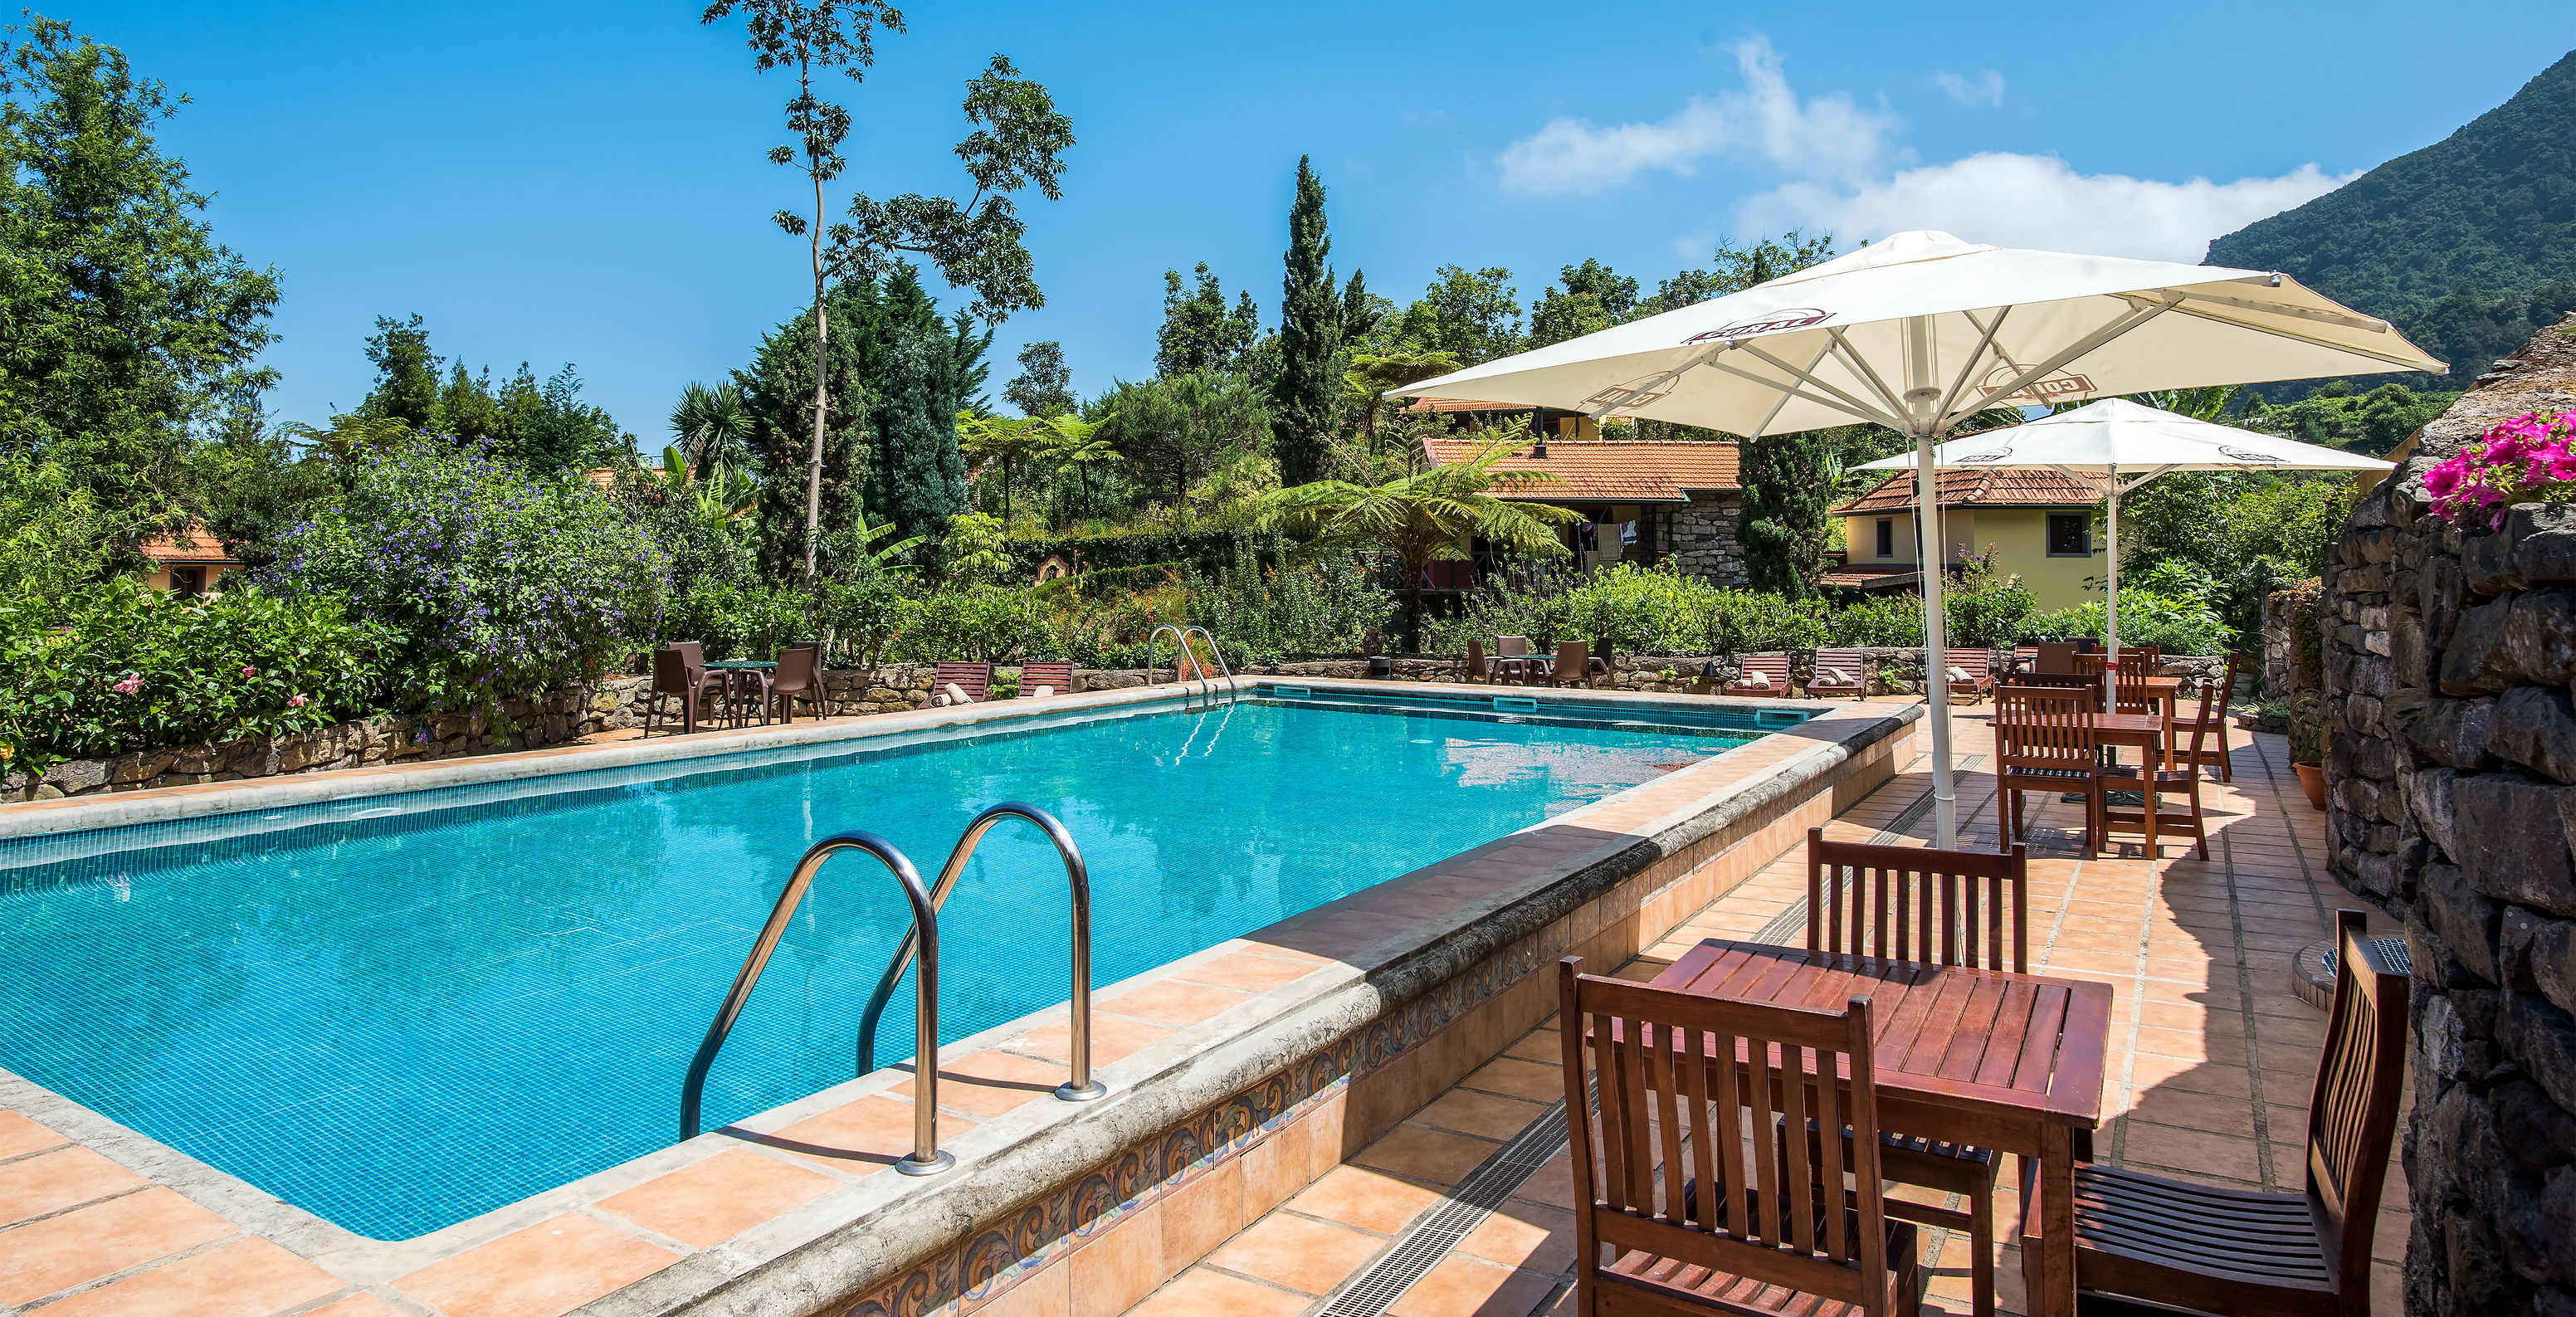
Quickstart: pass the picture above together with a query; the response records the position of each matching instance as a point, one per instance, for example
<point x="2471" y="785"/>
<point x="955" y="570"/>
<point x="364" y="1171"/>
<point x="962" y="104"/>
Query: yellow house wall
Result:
<point x="2019" y="537"/>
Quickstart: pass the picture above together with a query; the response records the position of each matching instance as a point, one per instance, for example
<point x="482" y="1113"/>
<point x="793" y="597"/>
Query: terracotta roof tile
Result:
<point x="203" y="549"/>
<point x="1979" y="488"/>
<point x="1597" y="469"/>
<point x="1866" y="576"/>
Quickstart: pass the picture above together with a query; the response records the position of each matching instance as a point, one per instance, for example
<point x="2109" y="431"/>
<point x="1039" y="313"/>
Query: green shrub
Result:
<point x="735" y="622"/>
<point x="131" y="668"/>
<point x="1208" y="551"/>
<point x="2174" y="626"/>
<point x="1880" y="620"/>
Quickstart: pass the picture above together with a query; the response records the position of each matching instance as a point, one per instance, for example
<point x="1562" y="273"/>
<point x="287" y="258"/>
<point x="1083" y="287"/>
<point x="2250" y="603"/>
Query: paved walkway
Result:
<point x="2211" y="1063"/>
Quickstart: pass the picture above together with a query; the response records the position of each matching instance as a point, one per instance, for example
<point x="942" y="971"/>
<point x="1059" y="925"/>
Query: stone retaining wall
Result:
<point x="2451" y="775"/>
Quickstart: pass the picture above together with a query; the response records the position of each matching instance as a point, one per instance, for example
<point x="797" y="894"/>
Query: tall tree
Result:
<point x="406" y="387"/>
<point x="1043" y="388"/>
<point x="1475" y="317"/>
<point x="1788" y="491"/>
<point x="1199" y="336"/>
<point x="1592" y="298"/>
<point x="1364" y="314"/>
<point x="1018" y="142"/>
<point x="1178" y="430"/>
<point x="123" y="322"/>
<point x="1303" y="401"/>
<point x="917" y="477"/>
<point x="713" y="426"/>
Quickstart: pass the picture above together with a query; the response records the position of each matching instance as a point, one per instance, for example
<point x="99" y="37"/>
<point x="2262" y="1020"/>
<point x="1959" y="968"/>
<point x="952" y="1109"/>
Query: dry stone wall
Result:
<point x="1704" y="542"/>
<point x="2451" y="776"/>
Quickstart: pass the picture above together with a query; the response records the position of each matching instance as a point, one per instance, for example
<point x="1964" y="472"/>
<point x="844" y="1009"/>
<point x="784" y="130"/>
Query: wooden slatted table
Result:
<point x="2012" y="1062"/>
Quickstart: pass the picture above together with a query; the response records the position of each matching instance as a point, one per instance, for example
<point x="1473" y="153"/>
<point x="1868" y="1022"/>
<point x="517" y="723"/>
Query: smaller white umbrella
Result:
<point x="2096" y="442"/>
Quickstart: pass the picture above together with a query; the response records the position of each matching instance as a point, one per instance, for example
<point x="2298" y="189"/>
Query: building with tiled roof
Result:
<point x="192" y="567"/>
<point x="2038" y="523"/>
<point x="1640" y="501"/>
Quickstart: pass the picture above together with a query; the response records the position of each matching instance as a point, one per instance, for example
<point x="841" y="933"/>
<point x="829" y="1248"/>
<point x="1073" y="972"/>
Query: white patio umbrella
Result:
<point x="1923" y="331"/>
<point x="2094" y="442"/>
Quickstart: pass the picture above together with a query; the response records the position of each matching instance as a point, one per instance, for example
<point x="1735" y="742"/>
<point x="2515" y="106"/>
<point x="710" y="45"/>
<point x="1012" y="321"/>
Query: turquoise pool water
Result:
<point x="404" y="1012"/>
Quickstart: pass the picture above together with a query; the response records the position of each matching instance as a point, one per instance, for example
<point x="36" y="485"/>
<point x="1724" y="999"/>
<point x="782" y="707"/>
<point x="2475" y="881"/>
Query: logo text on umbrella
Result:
<point x="1775" y="322"/>
<point x="2041" y="392"/>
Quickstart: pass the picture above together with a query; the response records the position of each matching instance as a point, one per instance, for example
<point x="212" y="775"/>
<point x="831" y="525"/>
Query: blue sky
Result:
<point x="587" y="182"/>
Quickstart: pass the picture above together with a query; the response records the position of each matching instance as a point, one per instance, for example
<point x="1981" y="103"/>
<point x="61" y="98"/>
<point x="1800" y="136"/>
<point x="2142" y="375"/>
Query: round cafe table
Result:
<point x="731" y="666"/>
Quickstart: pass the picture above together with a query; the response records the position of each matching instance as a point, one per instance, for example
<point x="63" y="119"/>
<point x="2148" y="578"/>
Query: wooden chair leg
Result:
<point x="1981" y="1237"/>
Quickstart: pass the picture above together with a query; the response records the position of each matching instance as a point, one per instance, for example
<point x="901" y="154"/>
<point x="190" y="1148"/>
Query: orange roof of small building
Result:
<point x="1625" y="470"/>
<point x="1979" y="488"/>
<point x="165" y="549"/>
<point x="1467" y="405"/>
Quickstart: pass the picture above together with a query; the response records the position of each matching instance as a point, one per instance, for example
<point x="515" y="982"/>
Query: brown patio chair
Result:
<point x="1476" y="668"/>
<point x="2025" y="658"/>
<point x="1605" y="661"/>
<point x="2044" y="741"/>
<point x="1573" y="664"/>
<point x="1055" y="676"/>
<point x="1774" y="669"/>
<point x="1865" y="900"/>
<point x="2238" y="1252"/>
<point x="680" y="672"/>
<point x="1660" y="1173"/>
<point x="1979" y="667"/>
<point x="2149" y="818"/>
<point x="974" y="679"/>
<point x="1840" y="673"/>
<point x="2216" y="756"/>
<point x="1512" y="658"/>
<point x="2136" y="663"/>
<point x="799" y="672"/>
<point x="2053" y="657"/>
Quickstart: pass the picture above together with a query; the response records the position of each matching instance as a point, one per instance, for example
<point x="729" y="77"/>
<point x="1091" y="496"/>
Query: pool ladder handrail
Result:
<point x="925" y="1158"/>
<point x="1181" y="638"/>
<point x="1080" y="1087"/>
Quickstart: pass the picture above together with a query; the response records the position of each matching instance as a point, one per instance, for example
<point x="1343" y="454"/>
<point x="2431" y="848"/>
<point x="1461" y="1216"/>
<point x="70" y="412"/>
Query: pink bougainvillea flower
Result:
<point x="295" y="702"/>
<point x="133" y="682"/>
<point x="250" y="672"/>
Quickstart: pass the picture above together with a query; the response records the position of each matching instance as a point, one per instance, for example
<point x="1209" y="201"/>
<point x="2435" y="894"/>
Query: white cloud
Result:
<point x="2038" y="201"/>
<point x="1988" y="89"/>
<point x="1826" y="137"/>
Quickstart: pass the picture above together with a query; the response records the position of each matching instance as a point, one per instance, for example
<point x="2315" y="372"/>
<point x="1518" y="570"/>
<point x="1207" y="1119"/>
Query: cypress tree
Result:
<point x="1786" y="498"/>
<point x="916" y="476"/>
<point x="1309" y="340"/>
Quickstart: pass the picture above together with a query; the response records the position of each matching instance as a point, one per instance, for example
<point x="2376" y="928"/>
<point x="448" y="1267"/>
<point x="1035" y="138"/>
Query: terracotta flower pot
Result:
<point x="2312" y="777"/>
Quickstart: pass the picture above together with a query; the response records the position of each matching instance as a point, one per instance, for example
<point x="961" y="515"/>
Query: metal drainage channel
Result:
<point x="1421" y="1247"/>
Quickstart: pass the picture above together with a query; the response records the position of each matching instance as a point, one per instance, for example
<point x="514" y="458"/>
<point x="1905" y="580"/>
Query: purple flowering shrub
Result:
<point x="2530" y="458"/>
<point x="120" y="667"/>
<point x="500" y="585"/>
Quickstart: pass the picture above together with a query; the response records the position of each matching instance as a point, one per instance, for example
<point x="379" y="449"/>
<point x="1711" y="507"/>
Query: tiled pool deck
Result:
<point x="2211" y="1061"/>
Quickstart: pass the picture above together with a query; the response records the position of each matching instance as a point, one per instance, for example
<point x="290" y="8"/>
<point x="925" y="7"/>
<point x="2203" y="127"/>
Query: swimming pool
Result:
<point x="404" y="1015"/>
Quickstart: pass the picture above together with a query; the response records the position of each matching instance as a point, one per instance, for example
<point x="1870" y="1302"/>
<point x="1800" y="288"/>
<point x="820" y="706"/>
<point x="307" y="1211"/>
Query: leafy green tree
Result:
<point x="1043" y="387"/>
<point x="713" y="425"/>
<point x="546" y="427"/>
<point x="1788" y="493"/>
<point x="1370" y="376"/>
<point x="1305" y="398"/>
<point x="1439" y="513"/>
<point x="122" y="321"/>
<point x="1473" y="317"/>
<point x="1018" y="142"/>
<point x="1739" y="268"/>
<point x="2335" y="416"/>
<point x="1199" y="336"/>
<point x="251" y="485"/>
<point x="1178" y="431"/>
<point x="1593" y="298"/>
<point x="917" y="476"/>
<point x="407" y="385"/>
<point x="54" y="540"/>
<point x="1005" y="444"/>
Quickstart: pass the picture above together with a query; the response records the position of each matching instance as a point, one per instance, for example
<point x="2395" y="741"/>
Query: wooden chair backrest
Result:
<point x="2135" y="664"/>
<point x="2133" y="696"/>
<point x="1511" y="646"/>
<point x="1848" y="660"/>
<point x="2352" y="1114"/>
<point x="1688" y="1085"/>
<point x="2044" y="727"/>
<point x="2054" y="657"/>
<point x="2236" y="662"/>
<point x="2201" y="724"/>
<point x="2061" y="681"/>
<point x="1058" y="676"/>
<point x="1974" y="662"/>
<point x="1573" y="661"/>
<point x="976" y="679"/>
<point x="1939" y="907"/>
<point x="1773" y="666"/>
<point x="1476" y="666"/>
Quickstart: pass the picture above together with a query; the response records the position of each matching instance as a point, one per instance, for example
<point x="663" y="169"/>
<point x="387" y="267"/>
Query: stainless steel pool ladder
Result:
<point x="1081" y="1087"/>
<point x="1181" y="637"/>
<point x="925" y="1158"/>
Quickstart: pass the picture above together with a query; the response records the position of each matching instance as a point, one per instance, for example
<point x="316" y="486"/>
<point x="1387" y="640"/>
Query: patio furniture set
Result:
<point x="1754" y="1102"/>
<point x="736" y="689"/>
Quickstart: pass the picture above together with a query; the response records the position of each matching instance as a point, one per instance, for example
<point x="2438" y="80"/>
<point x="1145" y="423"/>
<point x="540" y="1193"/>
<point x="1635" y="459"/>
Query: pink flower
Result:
<point x="250" y="672"/>
<point x="295" y="702"/>
<point x="133" y="682"/>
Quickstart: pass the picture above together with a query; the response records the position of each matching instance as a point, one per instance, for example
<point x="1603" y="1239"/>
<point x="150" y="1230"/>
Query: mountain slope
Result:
<point x="2468" y="245"/>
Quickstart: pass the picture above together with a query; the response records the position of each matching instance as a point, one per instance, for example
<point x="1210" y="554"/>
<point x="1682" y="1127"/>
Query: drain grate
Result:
<point x="1371" y="1292"/>
<point x="1792" y="922"/>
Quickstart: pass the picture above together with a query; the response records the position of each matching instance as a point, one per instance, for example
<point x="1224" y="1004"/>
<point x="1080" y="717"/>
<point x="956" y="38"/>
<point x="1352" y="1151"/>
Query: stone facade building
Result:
<point x="1641" y="502"/>
<point x="2451" y="777"/>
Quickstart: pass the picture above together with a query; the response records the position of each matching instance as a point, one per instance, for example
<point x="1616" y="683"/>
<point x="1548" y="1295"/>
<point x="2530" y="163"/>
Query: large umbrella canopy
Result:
<point x="1923" y="331"/>
<point x="2116" y="445"/>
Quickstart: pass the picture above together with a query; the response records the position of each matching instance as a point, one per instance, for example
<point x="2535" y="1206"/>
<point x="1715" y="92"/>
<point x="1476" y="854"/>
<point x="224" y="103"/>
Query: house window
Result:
<point x="1887" y="537"/>
<point x="2070" y="535"/>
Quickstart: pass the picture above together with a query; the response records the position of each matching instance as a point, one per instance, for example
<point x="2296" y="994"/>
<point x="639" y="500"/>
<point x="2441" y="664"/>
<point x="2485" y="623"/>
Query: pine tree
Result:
<point x="916" y="476"/>
<point x="1310" y="377"/>
<point x="1786" y="498"/>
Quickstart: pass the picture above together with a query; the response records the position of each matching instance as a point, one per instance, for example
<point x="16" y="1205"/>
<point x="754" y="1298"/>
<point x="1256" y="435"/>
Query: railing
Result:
<point x="1081" y="1087"/>
<point x="925" y="1158"/>
<point x="1181" y="639"/>
<point x="1214" y="650"/>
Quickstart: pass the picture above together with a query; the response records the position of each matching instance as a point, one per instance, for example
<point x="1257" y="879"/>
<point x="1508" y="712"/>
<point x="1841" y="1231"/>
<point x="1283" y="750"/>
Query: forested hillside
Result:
<point x="2468" y="245"/>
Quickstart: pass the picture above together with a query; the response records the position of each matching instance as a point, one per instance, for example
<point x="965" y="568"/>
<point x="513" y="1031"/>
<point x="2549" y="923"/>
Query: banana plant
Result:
<point x="723" y="494"/>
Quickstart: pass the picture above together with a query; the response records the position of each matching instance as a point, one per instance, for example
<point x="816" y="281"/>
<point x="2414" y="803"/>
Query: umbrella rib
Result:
<point x="1666" y="378"/>
<point x="2300" y="312"/>
<point x="1846" y="408"/>
<point x="2136" y="317"/>
<point x="1867" y="372"/>
<point x="2234" y="323"/>
<point x="1849" y="400"/>
<point x="1783" y="400"/>
<point x="1975" y="357"/>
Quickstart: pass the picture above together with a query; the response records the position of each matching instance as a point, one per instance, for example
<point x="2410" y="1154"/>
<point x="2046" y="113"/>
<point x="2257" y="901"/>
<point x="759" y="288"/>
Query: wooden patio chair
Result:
<point x="2234" y="1252"/>
<point x="1774" y="669"/>
<point x="2044" y="741"/>
<point x="2150" y="819"/>
<point x="2217" y="756"/>
<point x="680" y="672"/>
<point x="1573" y="664"/>
<point x="973" y="680"/>
<point x="1057" y="678"/>
<point x="1691" y="1089"/>
<point x="1840" y="673"/>
<point x="1978" y="665"/>
<point x="2136" y="664"/>
<point x="2054" y="657"/>
<point x="1938" y="907"/>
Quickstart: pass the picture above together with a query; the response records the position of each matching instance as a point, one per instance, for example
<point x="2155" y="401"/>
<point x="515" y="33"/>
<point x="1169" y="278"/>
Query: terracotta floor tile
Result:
<point x="1112" y="1039"/>
<point x="1520" y="1079"/>
<point x="1358" y="1196"/>
<point x="1431" y="1155"/>
<point x="855" y="1138"/>
<point x="2183" y="1109"/>
<point x="546" y="1270"/>
<point x="1173" y="1002"/>
<point x="1466" y="1287"/>
<point x="246" y="1278"/>
<point x="54" y="1254"/>
<point x="19" y="1135"/>
<point x="1247" y="973"/>
<point x="1524" y="1235"/>
<point x="706" y="1204"/>
<point x="1200" y="1292"/>
<point x="357" y="1305"/>
<point x="50" y="1182"/>
<point x="1543" y="1046"/>
<point x="986" y="1084"/>
<point x="1482" y="1114"/>
<point x="1552" y="1184"/>
<point x="1308" y="1256"/>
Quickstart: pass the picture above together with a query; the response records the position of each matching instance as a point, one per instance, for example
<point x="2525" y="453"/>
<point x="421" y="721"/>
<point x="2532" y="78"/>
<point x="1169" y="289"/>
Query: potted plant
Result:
<point x="2307" y="692"/>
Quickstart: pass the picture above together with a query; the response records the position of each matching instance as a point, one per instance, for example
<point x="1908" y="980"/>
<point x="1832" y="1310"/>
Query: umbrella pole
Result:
<point x="1936" y="649"/>
<point x="2111" y="610"/>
